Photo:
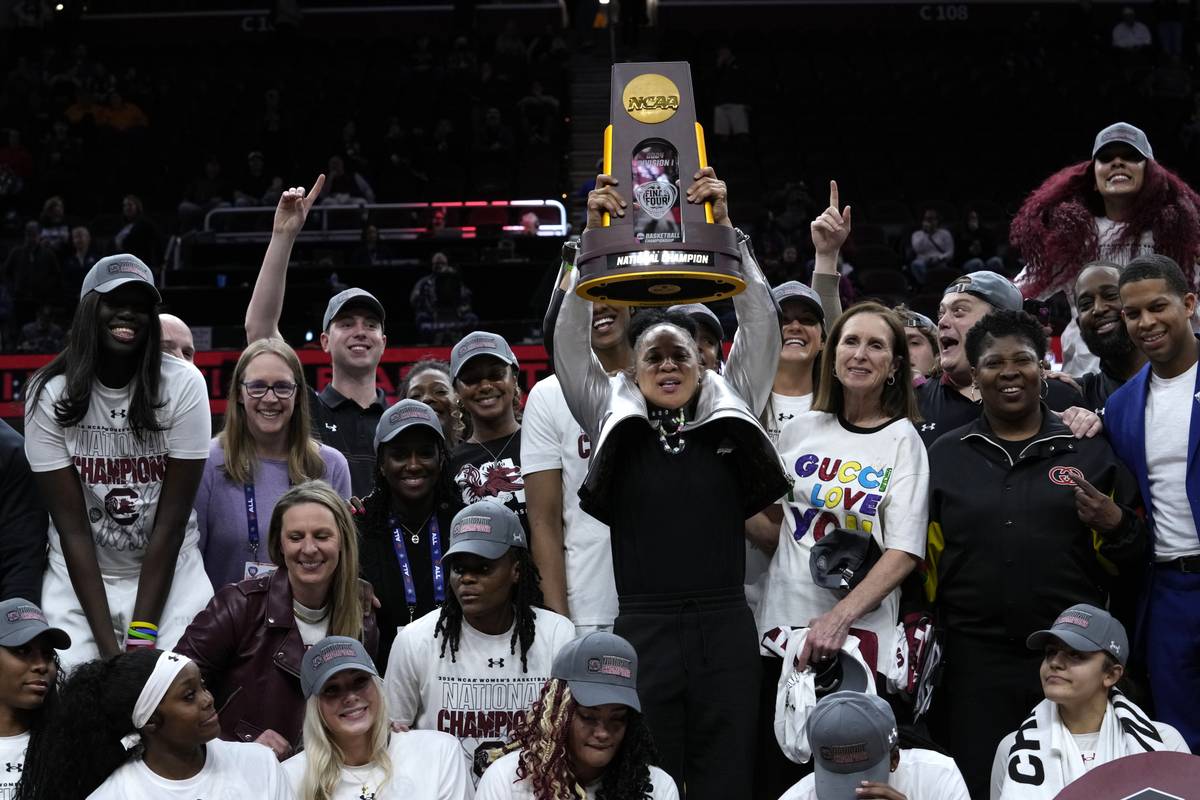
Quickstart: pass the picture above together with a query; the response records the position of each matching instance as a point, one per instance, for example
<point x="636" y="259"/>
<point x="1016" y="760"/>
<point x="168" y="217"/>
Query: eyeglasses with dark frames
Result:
<point x="258" y="389"/>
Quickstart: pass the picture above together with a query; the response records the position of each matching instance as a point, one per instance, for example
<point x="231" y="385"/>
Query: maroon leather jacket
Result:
<point x="248" y="648"/>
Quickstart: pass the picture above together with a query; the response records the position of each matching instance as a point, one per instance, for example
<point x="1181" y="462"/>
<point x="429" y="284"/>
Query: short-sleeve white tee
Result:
<point x="480" y="695"/>
<point x="231" y="769"/>
<point x="920" y="774"/>
<point x="1168" y="412"/>
<point x="552" y="439"/>
<point x="783" y="409"/>
<point x="12" y="761"/>
<point x="500" y="783"/>
<point x="121" y="474"/>
<point x="425" y="764"/>
<point x="873" y="480"/>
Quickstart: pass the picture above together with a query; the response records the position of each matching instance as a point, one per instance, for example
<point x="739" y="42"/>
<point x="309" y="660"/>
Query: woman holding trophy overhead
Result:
<point x="680" y="462"/>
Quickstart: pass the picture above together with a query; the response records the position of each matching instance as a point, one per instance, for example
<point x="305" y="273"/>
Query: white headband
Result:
<point x="168" y="666"/>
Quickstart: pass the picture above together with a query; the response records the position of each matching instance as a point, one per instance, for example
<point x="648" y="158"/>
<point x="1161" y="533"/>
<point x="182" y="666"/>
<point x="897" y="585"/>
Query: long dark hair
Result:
<point x="543" y="736"/>
<point x="35" y="767"/>
<point x="1055" y="229"/>
<point x="81" y="746"/>
<point x="525" y="595"/>
<point x="78" y="361"/>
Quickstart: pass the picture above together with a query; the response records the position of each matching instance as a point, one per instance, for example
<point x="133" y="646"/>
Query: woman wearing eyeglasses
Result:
<point x="265" y="448"/>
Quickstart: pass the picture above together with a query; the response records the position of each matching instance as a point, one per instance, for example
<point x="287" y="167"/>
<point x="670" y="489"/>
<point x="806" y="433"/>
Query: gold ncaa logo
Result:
<point x="651" y="98"/>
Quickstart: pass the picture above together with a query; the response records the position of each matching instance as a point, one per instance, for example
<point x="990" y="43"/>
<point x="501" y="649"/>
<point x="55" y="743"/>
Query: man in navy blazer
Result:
<point x="1154" y="424"/>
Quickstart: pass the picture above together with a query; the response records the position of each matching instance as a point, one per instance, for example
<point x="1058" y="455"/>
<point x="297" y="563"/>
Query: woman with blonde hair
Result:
<point x="265" y="448"/>
<point x="252" y="638"/>
<point x="350" y="751"/>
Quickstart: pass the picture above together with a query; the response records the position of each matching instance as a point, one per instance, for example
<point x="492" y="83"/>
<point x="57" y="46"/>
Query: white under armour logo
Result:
<point x="1115" y="648"/>
<point x="331" y="427"/>
<point x="928" y="426"/>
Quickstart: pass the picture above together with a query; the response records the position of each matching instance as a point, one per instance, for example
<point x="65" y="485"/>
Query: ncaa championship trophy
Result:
<point x="667" y="251"/>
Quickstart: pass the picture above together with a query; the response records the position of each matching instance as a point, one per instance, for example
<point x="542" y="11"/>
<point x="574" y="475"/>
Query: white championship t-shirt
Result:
<point x="875" y="481"/>
<point x="1168" y="418"/>
<point x="12" y="761"/>
<point x="122" y="475"/>
<point x="552" y="439"/>
<point x="425" y="764"/>
<point x="920" y="774"/>
<point x="231" y="770"/>
<point x="480" y="695"/>
<point x="498" y="783"/>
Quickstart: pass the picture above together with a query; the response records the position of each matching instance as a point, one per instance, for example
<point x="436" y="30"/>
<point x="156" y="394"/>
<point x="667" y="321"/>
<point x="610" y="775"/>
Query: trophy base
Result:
<point x="704" y="268"/>
<point x="660" y="288"/>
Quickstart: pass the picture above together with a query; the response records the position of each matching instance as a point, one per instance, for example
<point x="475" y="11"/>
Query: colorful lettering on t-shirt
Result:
<point x="853" y="489"/>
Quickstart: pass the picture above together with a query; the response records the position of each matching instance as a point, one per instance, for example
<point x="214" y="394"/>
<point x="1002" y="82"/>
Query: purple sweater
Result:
<point x="221" y="510"/>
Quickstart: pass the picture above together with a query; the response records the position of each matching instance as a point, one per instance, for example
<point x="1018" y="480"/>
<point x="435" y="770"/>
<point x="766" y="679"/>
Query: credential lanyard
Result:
<point x="435" y="552"/>
<point x="251" y="519"/>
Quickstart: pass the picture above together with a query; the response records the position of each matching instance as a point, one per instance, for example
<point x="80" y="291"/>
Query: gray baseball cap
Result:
<point x="702" y="315"/>
<point x="351" y="297"/>
<point x="1087" y="629"/>
<point x="600" y="668"/>
<point x="404" y="415"/>
<point x="990" y="286"/>
<point x="795" y="290"/>
<point x="1125" y="133"/>
<point x="21" y="622"/>
<point x="852" y="736"/>
<point x="479" y="343"/>
<point x="485" y="529"/>
<point x="332" y="655"/>
<point x="112" y="271"/>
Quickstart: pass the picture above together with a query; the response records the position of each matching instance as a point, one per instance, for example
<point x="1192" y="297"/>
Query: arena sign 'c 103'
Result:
<point x="651" y="98"/>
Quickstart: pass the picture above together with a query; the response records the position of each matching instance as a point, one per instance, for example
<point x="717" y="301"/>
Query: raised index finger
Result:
<point x="833" y="195"/>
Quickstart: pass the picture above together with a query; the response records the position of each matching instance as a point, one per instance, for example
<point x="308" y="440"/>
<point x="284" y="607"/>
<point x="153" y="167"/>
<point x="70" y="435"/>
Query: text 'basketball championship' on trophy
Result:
<point x="667" y="251"/>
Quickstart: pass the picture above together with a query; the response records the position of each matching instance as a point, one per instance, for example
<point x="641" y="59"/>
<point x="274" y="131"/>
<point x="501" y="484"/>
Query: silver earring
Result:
<point x="891" y="381"/>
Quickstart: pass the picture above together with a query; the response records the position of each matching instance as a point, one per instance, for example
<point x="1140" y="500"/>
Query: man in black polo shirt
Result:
<point x="953" y="401"/>
<point x="1098" y="299"/>
<point x="346" y="412"/>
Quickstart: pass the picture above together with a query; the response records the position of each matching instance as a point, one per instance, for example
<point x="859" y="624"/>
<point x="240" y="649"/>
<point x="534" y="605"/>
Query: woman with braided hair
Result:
<point x="585" y="737"/>
<point x="473" y="668"/>
<point x="1117" y="206"/>
<point x="143" y="724"/>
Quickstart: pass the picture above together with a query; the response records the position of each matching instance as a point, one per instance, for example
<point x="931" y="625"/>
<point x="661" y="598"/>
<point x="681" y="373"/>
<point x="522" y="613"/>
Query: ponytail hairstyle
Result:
<point x="81" y="746"/>
<point x="525" y="595"/>
<point x="543" y="737"/>
<point x="77" y="364"/>
<point x="324" y="758"/>
<point x="345" y="598"/>
<point x="37" y="767"/>
<point x="459" y="422"/>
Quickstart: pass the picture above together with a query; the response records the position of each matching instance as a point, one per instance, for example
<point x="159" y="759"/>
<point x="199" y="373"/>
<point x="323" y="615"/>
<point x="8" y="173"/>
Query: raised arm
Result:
<point x="583" y="379"/>
<point x="266" y="303"/>
<point x="829" y="232"/>
<point x="754" y="355"/>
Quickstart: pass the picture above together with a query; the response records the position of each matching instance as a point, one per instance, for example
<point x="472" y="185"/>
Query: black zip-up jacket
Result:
<point x="1007" y="551"/>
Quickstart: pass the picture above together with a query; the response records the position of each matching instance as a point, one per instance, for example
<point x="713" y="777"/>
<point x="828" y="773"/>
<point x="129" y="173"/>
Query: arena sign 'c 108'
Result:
<point x="651" y="98"/>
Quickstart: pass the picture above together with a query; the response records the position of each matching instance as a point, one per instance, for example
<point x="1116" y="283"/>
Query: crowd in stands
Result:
<point x="812" y="542"/>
